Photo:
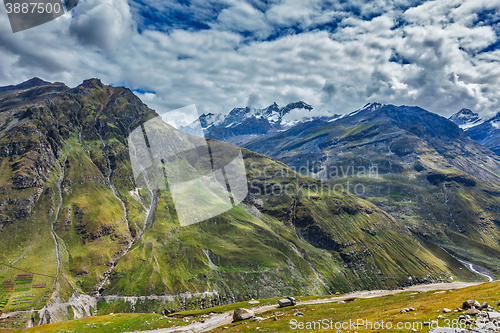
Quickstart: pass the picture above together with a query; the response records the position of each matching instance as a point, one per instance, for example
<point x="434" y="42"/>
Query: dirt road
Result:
<point x="217" y="320"/>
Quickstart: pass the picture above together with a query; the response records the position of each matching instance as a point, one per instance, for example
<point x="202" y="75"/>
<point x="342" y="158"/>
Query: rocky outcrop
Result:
<point x="477" y="317"/>
<point x="27" y="158"/>
<point x="78" y="306"/>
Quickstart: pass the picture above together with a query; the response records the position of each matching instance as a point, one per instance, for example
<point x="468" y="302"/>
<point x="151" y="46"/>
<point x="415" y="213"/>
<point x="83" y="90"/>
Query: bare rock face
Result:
<point x="27" y="158"/>
<point x="57" y="310"/>
<point x="242" y="314"/>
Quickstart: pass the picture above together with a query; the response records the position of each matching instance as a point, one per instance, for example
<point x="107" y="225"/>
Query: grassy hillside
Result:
<point x="312" y="242"/>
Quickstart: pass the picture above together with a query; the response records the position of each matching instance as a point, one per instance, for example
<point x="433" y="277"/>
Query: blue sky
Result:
<point x="335" y="55"/>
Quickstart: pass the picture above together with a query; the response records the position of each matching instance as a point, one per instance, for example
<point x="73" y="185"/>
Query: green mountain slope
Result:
<point x="416" y="165"/>
<point x="74" y="222"/>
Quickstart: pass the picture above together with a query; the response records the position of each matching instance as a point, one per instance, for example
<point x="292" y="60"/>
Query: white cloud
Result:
<point x="102" y="24"/>
<point x="290" y="12"/>
<point x="219" y="69"/>
<point x="243" y="17"/>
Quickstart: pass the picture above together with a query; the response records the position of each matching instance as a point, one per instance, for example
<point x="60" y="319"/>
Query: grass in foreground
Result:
<point x="110" y="324"/>
<point x="428" y="305"/>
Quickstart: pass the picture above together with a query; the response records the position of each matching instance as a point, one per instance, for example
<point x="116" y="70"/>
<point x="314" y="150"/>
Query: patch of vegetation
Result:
<point x="114" y="323"/>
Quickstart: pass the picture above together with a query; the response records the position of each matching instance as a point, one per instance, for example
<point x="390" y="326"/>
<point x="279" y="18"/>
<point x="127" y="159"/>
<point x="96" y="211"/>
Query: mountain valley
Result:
<point x="80" y="236"/>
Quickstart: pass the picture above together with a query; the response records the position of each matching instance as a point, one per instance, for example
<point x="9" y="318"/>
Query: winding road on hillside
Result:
<point x="221" y="319"/>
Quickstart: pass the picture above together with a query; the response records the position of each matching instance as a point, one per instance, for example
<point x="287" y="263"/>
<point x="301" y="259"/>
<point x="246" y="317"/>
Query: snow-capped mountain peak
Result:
<point x="274" y="114"/>
<point x="370" y="107"/>
<point x="210" y="119"/>
<point x="198" y="126"/>
<point x="271" y="109"/>
<point x="250" y="121"/>
<point x="495" y="121"/>
<point x="466" y="119"/>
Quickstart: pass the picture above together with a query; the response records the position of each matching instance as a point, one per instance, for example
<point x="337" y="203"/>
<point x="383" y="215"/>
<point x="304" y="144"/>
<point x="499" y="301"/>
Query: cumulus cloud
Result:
<point x="253" y="101"/>
<point x="243" y="17"/>
<point x="102" y="24"/>
<point x="232" y="53"/>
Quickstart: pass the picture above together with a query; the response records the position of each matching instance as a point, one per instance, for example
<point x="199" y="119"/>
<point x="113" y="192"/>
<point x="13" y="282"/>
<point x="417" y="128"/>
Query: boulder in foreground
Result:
<point x="242" y="314"/>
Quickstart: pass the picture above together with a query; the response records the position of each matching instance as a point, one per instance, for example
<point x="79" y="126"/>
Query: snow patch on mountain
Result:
<point x="204" y="121"/>
<point x="299" y="115"/>
<point x="212" y="119"/>
<point x="466" y="119"/>
<point x="370" y="107"/>
<point x="279" y="117"/>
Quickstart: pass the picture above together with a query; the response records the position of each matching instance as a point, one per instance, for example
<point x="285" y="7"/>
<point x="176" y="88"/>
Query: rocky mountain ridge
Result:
<point x="244" y="124"/>
<point x="465" y="119"/>
<point x="31" y="83"/>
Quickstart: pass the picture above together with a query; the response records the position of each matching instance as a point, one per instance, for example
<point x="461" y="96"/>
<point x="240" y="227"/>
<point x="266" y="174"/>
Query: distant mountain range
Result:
<point x="484" y="131"/>
<point x="245" y="124"/>
<point x="487" y="133"/>
<point x="435" y="174"/>
<point x="416" y="165"/>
